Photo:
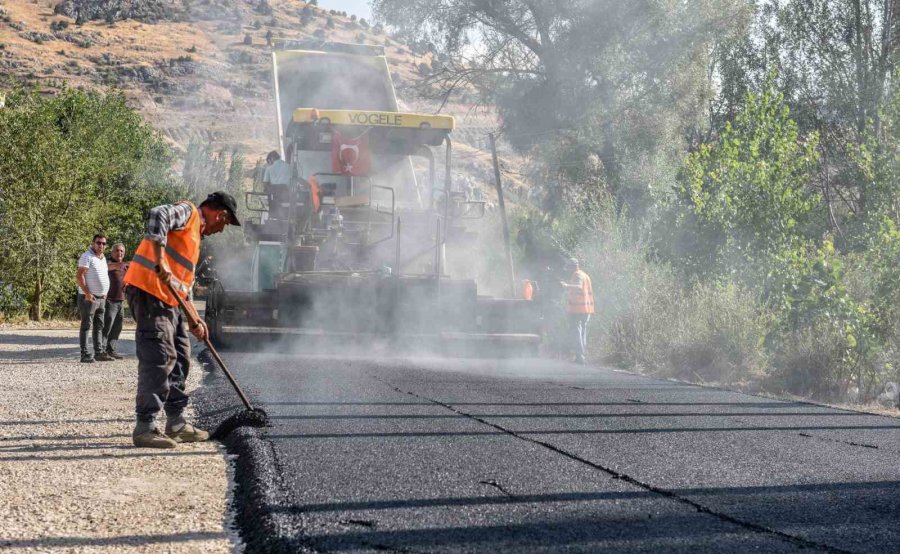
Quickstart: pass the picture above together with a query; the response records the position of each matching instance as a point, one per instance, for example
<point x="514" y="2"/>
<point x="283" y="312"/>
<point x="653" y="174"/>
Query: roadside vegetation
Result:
<point x="71" y="165"/>
<point x="74" y="164"/>
<point x="725" y="169"/>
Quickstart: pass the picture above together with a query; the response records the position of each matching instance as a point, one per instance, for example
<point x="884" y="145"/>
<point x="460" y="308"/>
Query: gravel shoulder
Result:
<point x="70" y="480"/>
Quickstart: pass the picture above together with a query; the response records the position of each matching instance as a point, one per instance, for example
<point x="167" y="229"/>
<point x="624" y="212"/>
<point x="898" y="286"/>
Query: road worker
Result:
<point x="579" y="306"/>
<point x="278" y="171"/>
<point x="168" y="255"/>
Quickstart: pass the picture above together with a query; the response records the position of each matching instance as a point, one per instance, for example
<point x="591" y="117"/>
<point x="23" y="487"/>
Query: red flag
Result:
<point x="350" y="156"/>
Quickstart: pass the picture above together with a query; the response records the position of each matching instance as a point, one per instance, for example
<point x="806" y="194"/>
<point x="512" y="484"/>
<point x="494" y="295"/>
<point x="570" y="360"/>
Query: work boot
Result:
<point x="152" y="439"/>
<point x="114" y="355"/>
<point x="187" y="433"/>
<point x="87" y="359"/>
<point x="104" y="357"/>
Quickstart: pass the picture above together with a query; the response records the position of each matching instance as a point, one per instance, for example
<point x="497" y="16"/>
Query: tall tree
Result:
<point x="602" y="89"/>
<point x="71" y="165"/>
<point x="836" y="60"/>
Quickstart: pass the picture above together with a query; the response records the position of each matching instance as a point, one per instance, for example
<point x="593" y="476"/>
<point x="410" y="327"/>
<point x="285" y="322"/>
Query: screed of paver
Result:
<point x="70" y="480"/>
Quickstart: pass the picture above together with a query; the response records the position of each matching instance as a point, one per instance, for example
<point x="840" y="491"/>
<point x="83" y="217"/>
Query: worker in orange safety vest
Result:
<point x="168" y="255"/>
<point x="579" y="306"/>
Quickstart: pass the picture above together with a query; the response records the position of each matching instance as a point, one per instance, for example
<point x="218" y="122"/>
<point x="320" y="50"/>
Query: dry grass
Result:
<point x="229" y="104"/>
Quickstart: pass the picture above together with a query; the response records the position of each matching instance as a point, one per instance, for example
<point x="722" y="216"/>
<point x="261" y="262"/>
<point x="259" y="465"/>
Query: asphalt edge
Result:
<point x="787" y="398"/>
<point x="259" y="516"/>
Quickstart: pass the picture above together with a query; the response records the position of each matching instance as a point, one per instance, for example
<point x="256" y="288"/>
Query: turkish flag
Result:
<point x="350" y="156"/>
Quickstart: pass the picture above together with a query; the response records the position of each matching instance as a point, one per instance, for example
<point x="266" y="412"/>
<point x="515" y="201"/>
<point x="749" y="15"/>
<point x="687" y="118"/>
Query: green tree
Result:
<point x="748" y="190"/>
<point x="836" y="60"/>
<point x="72" y="164"/>
<point x="206" y="170"/>
<point x="601" y="91"/>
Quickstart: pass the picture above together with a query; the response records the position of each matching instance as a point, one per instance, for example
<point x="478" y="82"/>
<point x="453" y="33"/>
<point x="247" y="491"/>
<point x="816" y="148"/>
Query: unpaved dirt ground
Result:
<point x="70" y="480"/>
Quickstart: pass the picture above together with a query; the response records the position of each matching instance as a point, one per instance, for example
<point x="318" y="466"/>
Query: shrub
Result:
<point x="810" y="362"/>
<point x="263" y="7"/>
<point x="647" y="319"/>
<point x="71" y="164"/>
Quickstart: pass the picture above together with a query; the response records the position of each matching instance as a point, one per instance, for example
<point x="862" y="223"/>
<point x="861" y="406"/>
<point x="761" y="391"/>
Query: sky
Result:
<point x="359" y="7"/>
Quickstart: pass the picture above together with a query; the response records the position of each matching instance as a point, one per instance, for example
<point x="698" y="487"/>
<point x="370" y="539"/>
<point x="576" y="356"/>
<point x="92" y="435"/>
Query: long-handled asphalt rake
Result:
<point x="250" y="417"/>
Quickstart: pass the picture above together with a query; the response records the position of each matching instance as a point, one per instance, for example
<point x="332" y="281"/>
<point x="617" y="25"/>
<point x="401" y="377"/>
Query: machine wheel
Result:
<point x="214" y="301"/>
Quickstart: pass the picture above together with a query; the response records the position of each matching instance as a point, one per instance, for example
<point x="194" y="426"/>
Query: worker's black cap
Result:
<point x="228" y="202"/>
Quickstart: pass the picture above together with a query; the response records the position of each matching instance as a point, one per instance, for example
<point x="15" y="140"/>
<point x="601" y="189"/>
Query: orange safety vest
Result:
<point x="182" y="251"/>
<point x="314" y="193"/>
<point x="527" y="290"/>
<point x="580" y="301"/>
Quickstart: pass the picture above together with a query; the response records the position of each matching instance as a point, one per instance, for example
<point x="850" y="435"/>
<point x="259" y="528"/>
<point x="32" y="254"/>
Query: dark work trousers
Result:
<point x="112" y="325"/>
<point x="91" y="317"/>
<point x="163" y="353"/>
<point x="578" y="324"/>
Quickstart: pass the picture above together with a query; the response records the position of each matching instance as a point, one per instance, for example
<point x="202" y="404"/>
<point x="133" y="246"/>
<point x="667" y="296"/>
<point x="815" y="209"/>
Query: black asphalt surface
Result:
<point x="540" y="456"/>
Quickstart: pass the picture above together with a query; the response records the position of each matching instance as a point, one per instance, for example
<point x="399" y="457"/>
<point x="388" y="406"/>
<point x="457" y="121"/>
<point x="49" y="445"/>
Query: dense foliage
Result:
<point x="725" y="168"/>
<point x="71" y="165"/>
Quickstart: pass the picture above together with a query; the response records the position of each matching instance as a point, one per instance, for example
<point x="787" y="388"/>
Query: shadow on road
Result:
<point x="125" y="540"/>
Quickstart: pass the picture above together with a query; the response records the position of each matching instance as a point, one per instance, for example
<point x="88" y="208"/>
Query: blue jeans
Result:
<point x="578" y="324"/>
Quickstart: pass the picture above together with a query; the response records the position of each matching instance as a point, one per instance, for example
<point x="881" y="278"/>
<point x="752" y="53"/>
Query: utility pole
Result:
<point x="502" y="204"/>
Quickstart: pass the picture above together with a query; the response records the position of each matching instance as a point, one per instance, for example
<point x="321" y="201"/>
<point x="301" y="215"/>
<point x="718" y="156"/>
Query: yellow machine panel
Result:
<point x="374" y="118"/>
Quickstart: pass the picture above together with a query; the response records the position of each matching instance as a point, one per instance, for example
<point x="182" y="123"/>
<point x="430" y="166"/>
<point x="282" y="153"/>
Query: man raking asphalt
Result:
<point x="252" y="417"/>
<point x="162" y="273"/>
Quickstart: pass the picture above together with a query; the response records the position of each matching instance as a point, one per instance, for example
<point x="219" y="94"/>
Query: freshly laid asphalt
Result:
<point x="439" y="455"/>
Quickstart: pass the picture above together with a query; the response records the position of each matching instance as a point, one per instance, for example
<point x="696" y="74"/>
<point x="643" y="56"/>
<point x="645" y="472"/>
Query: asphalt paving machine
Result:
<point x="351" y="249"/>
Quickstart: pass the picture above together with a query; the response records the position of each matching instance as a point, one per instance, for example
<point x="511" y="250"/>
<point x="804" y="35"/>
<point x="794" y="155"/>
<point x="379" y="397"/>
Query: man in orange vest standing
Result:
<point x="579" y="306"/>
<point x="168" y="255"/>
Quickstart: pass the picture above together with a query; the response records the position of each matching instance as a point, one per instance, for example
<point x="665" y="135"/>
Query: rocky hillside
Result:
<point x="200" y="69"/>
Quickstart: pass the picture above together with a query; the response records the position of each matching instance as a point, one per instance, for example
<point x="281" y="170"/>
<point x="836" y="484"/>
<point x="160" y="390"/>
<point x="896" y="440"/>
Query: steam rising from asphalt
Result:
<point x="342" y="81"/>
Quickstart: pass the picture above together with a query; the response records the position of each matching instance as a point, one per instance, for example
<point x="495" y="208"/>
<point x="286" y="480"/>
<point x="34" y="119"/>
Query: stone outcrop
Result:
<point x="148" y="11"/>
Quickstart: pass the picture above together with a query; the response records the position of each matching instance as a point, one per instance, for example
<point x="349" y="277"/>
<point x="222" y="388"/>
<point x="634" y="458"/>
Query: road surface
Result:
<point x="437" y="455"/>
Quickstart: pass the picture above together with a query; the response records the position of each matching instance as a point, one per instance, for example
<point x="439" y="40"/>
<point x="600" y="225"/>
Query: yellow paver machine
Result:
<point x="355" y="224"/>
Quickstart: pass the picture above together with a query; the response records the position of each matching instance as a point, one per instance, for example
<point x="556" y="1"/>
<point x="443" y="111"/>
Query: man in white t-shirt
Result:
<point x="93" y="284"/>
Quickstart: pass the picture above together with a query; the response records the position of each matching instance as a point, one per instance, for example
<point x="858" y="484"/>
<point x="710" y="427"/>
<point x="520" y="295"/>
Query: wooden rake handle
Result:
<point x="191" y="314"/>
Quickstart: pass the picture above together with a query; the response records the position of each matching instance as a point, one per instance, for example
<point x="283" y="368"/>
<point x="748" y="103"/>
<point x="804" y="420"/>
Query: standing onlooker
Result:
<point x="93" y="284"/>
<point x="112" y="321"/>
<point x="579" y="305"/>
